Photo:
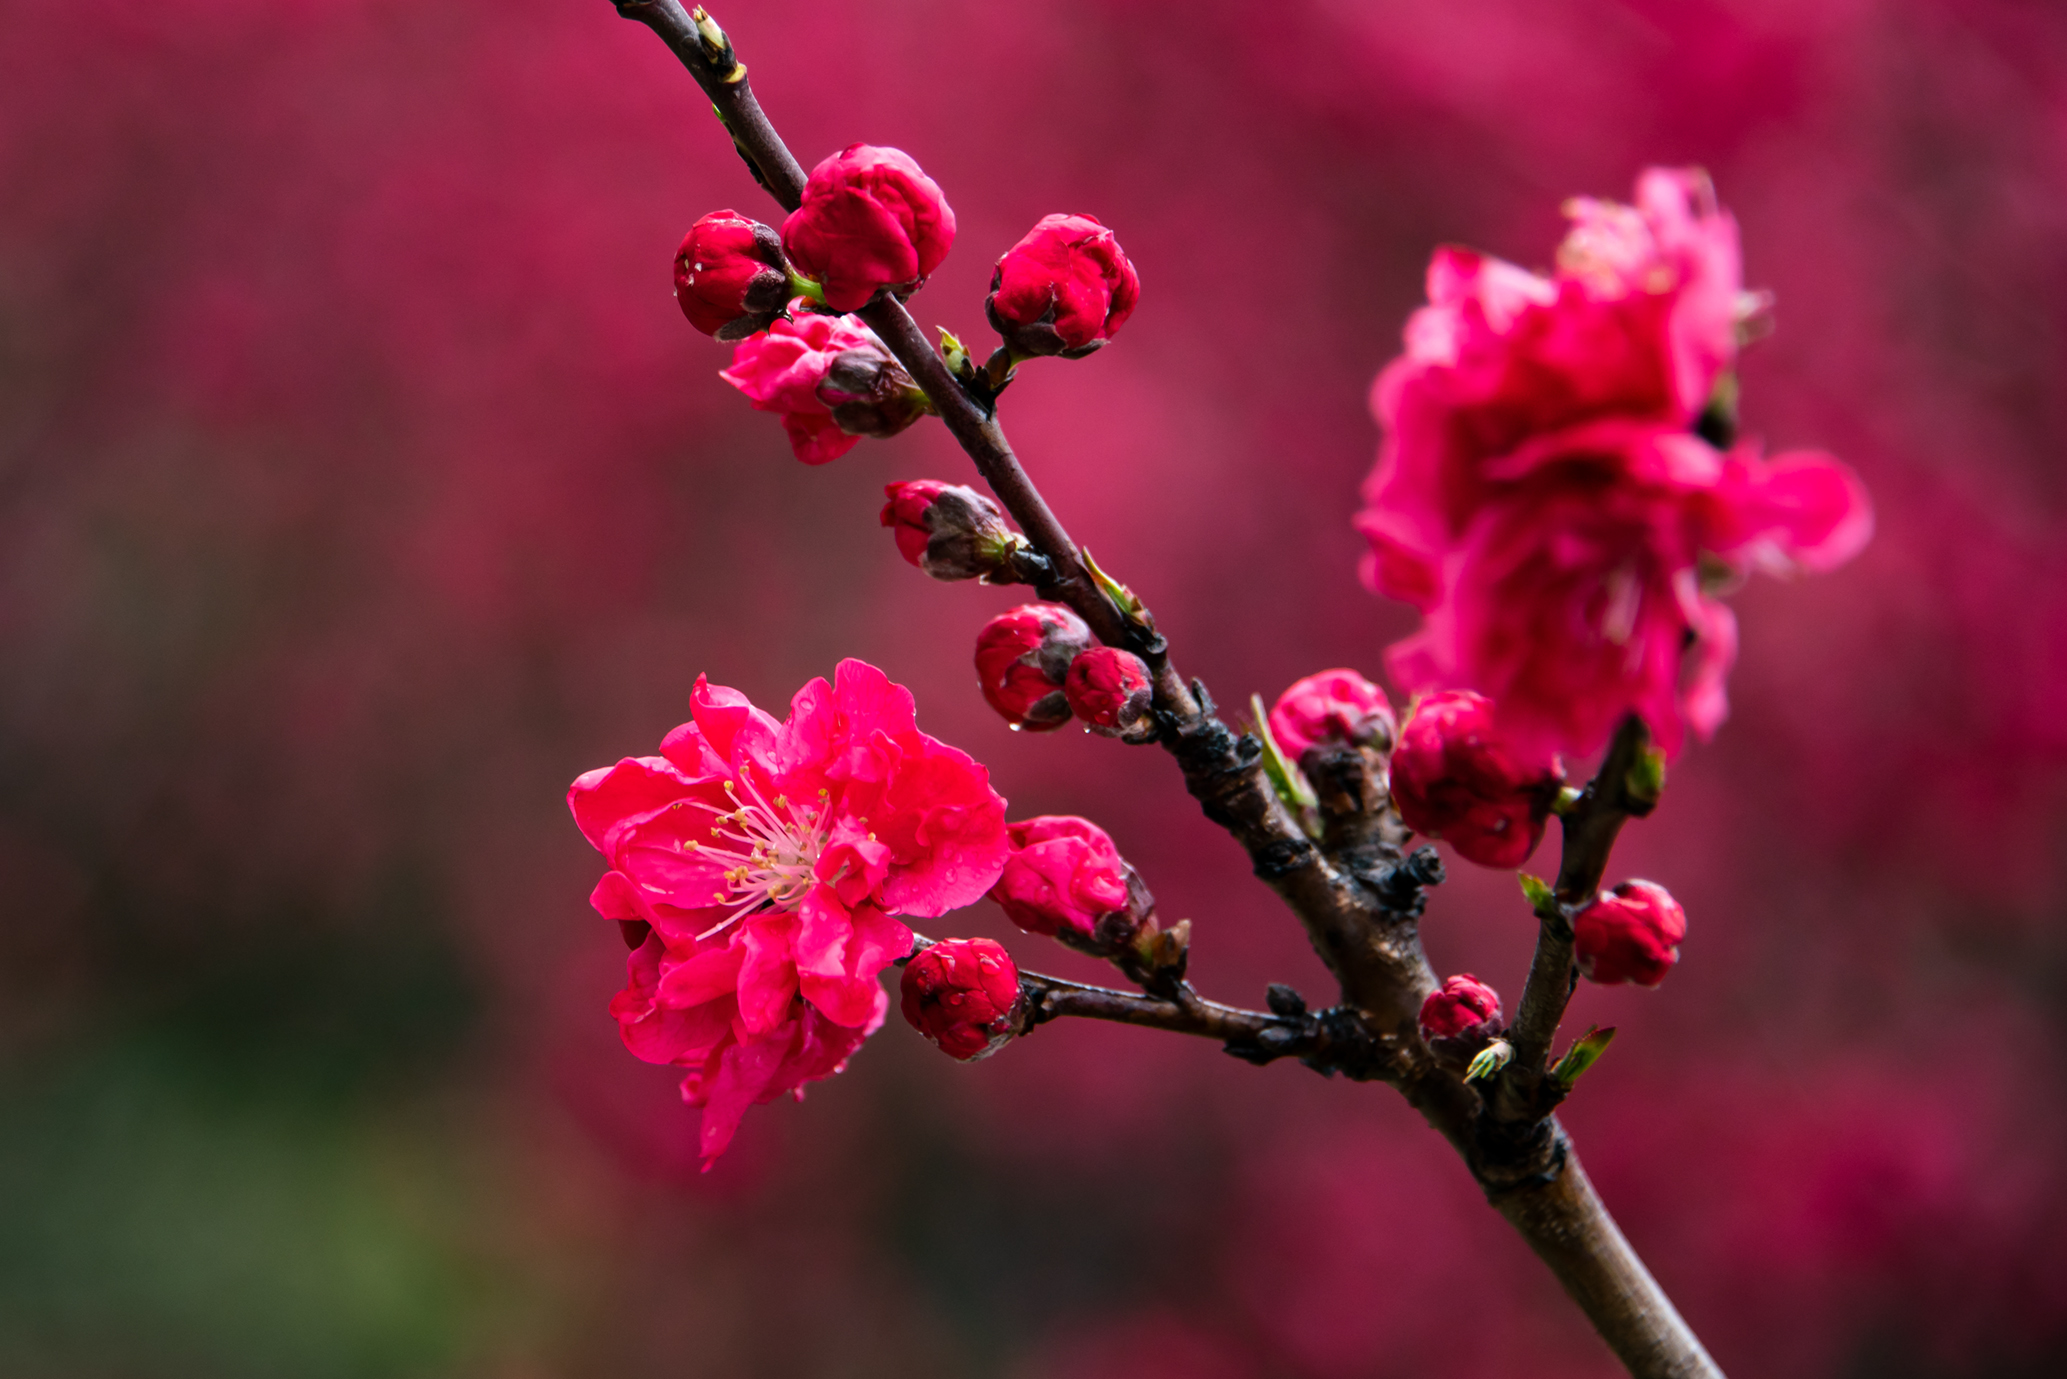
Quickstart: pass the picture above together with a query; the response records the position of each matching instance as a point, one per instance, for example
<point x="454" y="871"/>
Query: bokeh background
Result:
<point x="360" y="485"/>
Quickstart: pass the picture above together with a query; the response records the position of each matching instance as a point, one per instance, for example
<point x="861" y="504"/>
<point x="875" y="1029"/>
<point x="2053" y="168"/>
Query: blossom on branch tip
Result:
<point x="1063" y="876"/>
<point x="870" y="219"/>
<point x="1110" y="690"/>
<point x="767" y="860"/>
<point x="730" y="278"/>
<point x="963" y="994"/>
<point x="1454" y="777"/>
<point x="1023" y="657"/>
<point x="1064" y="289"/>
<point x="948" y="530"/>
<point x="829" y="378"/>
<point x="1332" y="705"/>
<point x="1629" y="934"/>
<point x="1461" y="1004"/>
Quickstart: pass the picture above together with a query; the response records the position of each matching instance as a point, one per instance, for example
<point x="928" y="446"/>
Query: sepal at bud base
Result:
<point x="1584" y="1053"/>
<point x="869" y="393"/>
<point x="952" y="532"/>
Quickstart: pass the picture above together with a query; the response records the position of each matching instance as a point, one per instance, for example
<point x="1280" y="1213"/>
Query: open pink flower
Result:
<point x="870" y="219"/>
<point x="1064" y="289"/>
<point x="686" y="1011"/>
<point x="829" y="378"/>
<point x="768" y="858"/>
<point x="1639" y="322"/>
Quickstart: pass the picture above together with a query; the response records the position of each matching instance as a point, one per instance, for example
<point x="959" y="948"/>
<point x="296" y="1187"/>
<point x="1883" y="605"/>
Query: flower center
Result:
<point x="770" y="849"/>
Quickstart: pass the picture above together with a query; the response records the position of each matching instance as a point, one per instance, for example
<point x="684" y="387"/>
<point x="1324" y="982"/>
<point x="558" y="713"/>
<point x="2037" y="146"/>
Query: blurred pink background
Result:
<point x="360" y="484"/>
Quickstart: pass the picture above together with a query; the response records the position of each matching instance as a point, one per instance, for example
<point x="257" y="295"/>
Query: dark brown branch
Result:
<point x="1359" y="903"/>
<point x="1619" y="791"/>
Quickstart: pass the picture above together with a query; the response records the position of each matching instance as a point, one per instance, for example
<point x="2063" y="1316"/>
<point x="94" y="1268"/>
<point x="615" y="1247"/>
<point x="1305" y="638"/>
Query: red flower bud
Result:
<point x="1462" y="1005"/>
<point x="949" y="531"/>
<point x="1454" y="779"/>
<point x="1063" y="875"/>
<point x="963" y="994"/>
<point x="1333" y="705"/>
<point x="1022" y="657"/>
<point x="869" y="219"/>
<point x="729" y="275"/>
<point x="1630" y="934"/>
<point x="1064" y="289"/>
<point x="1109" y="689"/>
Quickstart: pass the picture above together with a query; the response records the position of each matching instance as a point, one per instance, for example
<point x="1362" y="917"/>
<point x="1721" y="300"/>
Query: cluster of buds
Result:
<point x="1630" y="934"/>
<point x="1039" y="666"/>
<point x="951" y="531"/>
<point x="1453" y="778"/>
<point x="1022" y="658"/>
<point x="964" y="995"/>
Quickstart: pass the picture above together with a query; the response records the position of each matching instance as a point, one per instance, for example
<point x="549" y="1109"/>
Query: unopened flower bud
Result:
<point x="1064" y="289"/>
<point x="1110" y="690"/>
<point x="870" y="219"/>
<point x="1454" y="779"/>
<point x="963" y="994"/>
<point x="1332" y="706"/>
<point x="729" y="275"/>
<point x="786" y="370"/>
<point x="869" y="393"/>
<point x="1629" y="934"/>
<point x="1022" y="658"/>
<point x="1463" y="1004"/>
<point x="1063" y="876"/>
<point x="948" y="530"/>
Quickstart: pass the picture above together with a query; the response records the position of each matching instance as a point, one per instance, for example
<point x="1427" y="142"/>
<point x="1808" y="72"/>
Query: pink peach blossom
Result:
<point x="768" y="858"/>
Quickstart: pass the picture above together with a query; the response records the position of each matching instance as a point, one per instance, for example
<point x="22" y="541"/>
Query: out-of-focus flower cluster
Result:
<point x="1558" y="490"/>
